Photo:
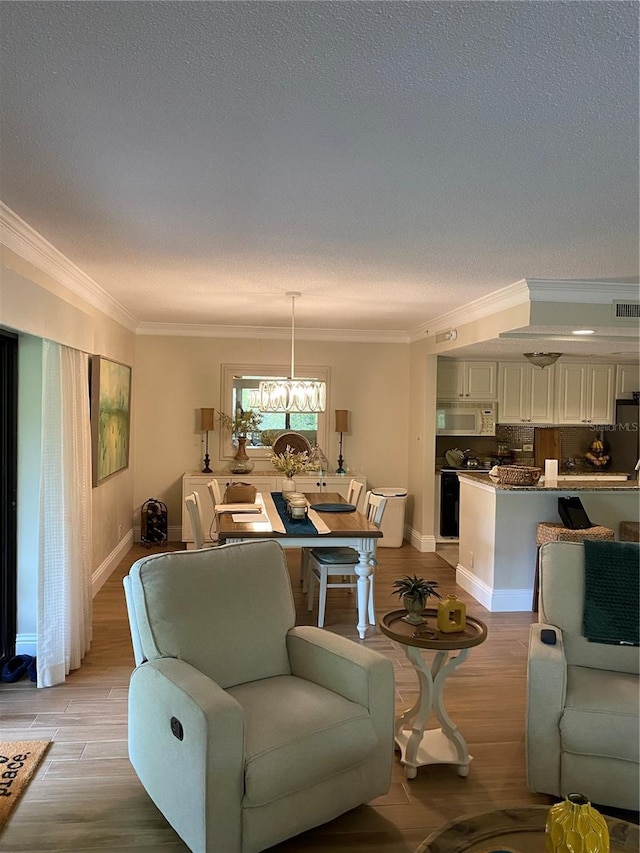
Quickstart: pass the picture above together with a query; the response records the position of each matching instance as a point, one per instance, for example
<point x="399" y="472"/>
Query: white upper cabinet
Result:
<point x="627" y="381"/>
<point x="585" y="393"/>
<point x="467" y="380"/>
<point x="525" y="394"/>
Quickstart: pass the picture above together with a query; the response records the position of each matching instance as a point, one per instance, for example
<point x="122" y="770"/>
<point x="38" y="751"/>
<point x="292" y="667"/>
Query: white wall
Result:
<point x="38" y="307"/>
<point x="175" y="376"/>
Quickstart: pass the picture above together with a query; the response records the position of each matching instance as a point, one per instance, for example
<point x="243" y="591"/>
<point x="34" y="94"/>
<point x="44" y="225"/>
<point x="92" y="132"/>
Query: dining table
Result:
<point x="319" y="528"/>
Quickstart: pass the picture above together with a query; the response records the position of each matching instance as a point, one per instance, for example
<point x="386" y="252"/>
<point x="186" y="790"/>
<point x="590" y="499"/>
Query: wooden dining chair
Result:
<point x="353" y="497"/>
<point x="327" y="562"/>
<point x="192" y="503"/>
<point x="355" y="490"/>
<point x="216" y="499"/>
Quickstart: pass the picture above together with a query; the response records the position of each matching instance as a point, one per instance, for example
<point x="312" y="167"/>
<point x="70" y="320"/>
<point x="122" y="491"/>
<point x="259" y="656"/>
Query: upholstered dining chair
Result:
<point x="326" y="562"/>
<point x="192" y="503"/>
<point x="271" y="728"/>
<point x="353" y="498"/>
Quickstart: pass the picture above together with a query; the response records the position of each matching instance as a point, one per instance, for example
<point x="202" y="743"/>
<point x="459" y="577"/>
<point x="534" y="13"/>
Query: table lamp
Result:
<point x="206" y="424"/>
<point x="342" y="425"/>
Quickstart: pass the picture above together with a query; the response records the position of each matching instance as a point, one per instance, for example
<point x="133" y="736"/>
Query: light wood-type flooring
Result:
<point x="85" y="796"/>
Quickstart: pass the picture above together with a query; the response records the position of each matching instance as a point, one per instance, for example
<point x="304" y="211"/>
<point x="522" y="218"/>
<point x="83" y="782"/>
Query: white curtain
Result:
<point x="64" y="577"/>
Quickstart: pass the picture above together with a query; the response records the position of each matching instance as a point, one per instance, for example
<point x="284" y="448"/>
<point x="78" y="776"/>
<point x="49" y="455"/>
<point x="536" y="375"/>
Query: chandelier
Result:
<point x="292" y="394"/>
<point x="542" y="359"/>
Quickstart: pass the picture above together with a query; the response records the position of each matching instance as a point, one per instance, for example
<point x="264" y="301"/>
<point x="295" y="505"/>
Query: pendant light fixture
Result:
<point x="542" y="359"/>
<point x="292" y="394"/>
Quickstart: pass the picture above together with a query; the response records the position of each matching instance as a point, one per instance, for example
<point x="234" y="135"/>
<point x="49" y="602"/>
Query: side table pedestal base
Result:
<point x="435" y="748"/>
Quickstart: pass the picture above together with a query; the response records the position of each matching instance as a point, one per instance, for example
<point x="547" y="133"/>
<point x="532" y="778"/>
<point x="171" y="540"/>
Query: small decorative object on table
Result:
<point x="296" y="505"/>
<point x="415" y="592"/>
<point x="575" y="825"/>
<point x="452" y="615"/>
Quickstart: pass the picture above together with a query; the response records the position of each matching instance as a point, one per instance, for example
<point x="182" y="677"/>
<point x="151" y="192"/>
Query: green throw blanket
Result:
<point x="611" y="592"/>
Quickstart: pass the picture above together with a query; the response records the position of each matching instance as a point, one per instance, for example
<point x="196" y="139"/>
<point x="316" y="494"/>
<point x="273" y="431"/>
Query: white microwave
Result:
<point x="465" y="418"/>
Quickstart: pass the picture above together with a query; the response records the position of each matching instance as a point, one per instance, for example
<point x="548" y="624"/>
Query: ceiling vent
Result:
<point x="626" y="310"/>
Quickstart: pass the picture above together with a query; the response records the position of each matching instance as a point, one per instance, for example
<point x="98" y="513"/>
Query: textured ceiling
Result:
<point x="391" y="160"/>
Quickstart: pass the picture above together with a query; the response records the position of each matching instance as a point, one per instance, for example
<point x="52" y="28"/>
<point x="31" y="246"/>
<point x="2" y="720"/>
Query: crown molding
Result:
<point x="485" y="306"/>
<point x="530" y="290"/>
<point x="192" y="330"/>
<point x="576" y="290"/>
<point x="18" y="236"/>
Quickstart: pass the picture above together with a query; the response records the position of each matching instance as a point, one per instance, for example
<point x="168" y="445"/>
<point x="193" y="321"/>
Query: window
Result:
<point x="240" y="384"/>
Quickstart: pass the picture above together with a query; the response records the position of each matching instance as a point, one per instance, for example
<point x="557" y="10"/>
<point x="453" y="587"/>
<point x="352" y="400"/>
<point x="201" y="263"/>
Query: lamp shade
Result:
<point x="342" y="420"/>
<point x="292" y="394"/>
<point x="206" y="419"/>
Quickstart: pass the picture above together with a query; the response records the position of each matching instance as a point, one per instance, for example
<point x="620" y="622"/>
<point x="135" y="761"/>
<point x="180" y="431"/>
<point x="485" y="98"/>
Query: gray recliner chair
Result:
<point x="582" y="697"/>
<point x="244" y="729"/>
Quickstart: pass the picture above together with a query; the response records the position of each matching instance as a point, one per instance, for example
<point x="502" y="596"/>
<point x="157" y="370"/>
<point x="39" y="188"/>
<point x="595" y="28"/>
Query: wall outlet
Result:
<point x="119" y="531"/>
<point x="470" y="559"/>
<point x="527" y="448"/>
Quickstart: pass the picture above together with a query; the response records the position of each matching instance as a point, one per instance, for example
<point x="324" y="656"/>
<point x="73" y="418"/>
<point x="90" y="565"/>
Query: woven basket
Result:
<point x="518" y="475"/>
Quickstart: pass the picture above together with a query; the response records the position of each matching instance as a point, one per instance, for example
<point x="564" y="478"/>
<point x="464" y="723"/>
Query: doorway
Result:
<point x="8" y="492"/>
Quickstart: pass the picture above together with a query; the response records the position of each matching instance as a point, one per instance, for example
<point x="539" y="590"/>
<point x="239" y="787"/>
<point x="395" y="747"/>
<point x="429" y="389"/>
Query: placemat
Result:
<point x="333" y="507"/>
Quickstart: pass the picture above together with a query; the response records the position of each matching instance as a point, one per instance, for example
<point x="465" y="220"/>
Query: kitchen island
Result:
<point x="497" y="543"/>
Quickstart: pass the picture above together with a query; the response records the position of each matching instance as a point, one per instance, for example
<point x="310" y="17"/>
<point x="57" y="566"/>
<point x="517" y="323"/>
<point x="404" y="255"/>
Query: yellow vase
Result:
<point x="574" y="826"/>
<point x="452" y="615"/>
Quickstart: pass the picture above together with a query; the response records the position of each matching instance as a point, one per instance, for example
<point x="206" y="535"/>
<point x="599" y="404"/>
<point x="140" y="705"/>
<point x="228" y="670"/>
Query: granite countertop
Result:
<point x="567" y="485"/>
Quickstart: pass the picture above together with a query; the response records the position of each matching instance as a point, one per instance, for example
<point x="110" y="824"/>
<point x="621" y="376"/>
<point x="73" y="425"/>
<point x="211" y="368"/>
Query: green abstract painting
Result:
<point x="110" y="416"/>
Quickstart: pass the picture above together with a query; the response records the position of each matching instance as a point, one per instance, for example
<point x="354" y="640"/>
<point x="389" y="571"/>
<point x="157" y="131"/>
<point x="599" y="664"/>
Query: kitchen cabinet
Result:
<point x="525" y="394"/>
<point x="263" y="481"/>
<point x="471" y="380"/>
<point x="584" y="393"/>
<point x="627" y="381"/>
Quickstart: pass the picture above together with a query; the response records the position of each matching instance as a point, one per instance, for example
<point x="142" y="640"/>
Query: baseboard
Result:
<point x="107" y="566"/>
<point x="26" y="644"/>
<point x="421" y="543"/>
<point x="495" y="600"/>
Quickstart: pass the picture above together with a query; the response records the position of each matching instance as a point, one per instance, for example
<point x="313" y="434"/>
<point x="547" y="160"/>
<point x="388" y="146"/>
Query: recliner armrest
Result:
<point x="339" y="664"/>
<point x="546" y="695"/>
<point x="208" y="759"/>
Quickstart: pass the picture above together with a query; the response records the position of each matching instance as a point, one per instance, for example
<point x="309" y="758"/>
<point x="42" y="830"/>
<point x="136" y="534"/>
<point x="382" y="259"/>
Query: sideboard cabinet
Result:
<point x="266" y="481"/>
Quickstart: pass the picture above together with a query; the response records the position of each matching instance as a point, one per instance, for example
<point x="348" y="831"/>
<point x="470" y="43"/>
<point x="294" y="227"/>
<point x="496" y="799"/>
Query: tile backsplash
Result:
<point x="575" y="441"/>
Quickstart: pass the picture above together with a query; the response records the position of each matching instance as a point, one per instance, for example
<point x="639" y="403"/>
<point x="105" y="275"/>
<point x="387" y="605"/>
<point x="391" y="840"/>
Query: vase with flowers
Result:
<point x="242" y="425"/>
<point x="290" y="463"/>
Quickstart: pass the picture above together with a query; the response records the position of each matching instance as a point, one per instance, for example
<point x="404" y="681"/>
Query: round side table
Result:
<point x="417" y="744"/>
<point x="521" y="828"/>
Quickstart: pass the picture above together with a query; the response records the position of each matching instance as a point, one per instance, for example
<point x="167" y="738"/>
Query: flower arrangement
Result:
<point x="290" y="462"/>
<point x="242" y="423"/>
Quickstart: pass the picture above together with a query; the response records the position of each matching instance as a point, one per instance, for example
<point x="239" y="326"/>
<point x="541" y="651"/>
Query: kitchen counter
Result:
<point x="566" y="483"/>
<point x="497" y="541"/>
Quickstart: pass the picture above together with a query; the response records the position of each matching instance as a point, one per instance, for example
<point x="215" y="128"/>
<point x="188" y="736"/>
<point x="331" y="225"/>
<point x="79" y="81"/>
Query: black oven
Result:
<point x="450" y="500"/>
<point x="449" y="503"/>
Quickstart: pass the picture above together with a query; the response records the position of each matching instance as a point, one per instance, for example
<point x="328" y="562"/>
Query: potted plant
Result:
<point x="415" y="592"/>
<point x="241" y="425"/>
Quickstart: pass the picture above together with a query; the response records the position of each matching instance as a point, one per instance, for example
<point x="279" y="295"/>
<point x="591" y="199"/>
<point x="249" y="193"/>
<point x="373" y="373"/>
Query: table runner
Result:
<point x="275" y="508"/>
